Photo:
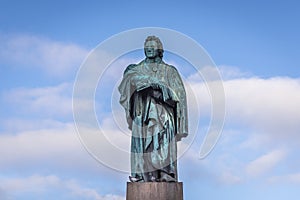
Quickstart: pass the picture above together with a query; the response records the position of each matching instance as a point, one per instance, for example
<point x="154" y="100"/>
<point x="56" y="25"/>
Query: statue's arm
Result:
<point x="140" y="81"/>
<point x="181" y="105"/>
<point x="126" y="90"/>
<point x="133" y="76"/>
<point x="133" y="81"/>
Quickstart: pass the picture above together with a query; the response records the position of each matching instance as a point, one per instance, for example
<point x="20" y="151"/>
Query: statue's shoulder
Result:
<point x="171" y="67"/>
<point x="132" y="67"/>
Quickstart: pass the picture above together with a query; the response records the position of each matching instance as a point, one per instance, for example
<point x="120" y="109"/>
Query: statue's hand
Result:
<point x="154" y="83"/>
<point x="140" y="86"/>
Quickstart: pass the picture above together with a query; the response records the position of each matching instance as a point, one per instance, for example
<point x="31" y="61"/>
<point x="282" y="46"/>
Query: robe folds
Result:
<point x="154" y="100"/>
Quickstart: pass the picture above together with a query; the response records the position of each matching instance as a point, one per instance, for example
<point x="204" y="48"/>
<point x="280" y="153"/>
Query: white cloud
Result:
<point x="59" y="147"/>
<point x="56" y="150"/>
<point x="53" y="101"/>
<point x="36" y="186"/>
<point x="40" y="147"/>
<point x="269" y="105"/>
<point x="264" y="115"/>
<point x="15" y="125"/>
<point x="228" y="177"/>
<point x="265" y="163"/>
<point x="255" y="141"/>
<point x="289" y="178"/>
<point x="230" y="72"/>
<point x="55" y="58"/>
<point x="263" y="98"/>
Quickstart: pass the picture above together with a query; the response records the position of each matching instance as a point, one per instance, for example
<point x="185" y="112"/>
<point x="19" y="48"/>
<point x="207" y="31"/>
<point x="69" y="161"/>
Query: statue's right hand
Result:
<point x="155" y="83"/>
<point x="141" y="86"/>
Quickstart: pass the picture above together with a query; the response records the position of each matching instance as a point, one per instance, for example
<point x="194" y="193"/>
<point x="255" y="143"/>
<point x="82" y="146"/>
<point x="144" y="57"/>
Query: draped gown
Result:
<point x="154" y="100"/>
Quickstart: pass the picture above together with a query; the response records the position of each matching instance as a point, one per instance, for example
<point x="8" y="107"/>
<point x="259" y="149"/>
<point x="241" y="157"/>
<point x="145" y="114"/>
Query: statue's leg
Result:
<point x="168" y="172"/>
<point x="137" y="154"/>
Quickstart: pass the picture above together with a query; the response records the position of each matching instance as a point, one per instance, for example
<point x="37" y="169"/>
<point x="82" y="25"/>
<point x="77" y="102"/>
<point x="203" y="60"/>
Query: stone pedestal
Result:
<point x="154" y="191"/>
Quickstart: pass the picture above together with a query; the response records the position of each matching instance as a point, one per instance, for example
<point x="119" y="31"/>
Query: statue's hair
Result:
<point x="159" y="44"/>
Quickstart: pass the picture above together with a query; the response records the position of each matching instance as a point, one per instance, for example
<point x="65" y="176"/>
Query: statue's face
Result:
<point x="151" y="49"/>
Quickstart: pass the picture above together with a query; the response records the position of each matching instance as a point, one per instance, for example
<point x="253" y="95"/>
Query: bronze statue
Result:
<point x="154" y="99"/>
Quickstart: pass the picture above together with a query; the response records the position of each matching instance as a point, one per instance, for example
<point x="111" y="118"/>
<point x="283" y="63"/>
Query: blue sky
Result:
<point x="254" y="44"/>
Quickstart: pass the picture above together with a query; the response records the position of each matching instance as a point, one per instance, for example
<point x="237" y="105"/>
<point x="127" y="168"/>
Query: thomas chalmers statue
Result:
<point x="154" y="99"/>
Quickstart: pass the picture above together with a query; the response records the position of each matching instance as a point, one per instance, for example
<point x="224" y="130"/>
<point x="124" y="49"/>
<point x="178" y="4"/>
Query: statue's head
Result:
<point x="153" y="47"/>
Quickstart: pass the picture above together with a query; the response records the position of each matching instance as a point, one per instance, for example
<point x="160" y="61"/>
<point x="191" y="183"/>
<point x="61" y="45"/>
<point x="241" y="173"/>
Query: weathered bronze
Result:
<point x="154" y="99"/>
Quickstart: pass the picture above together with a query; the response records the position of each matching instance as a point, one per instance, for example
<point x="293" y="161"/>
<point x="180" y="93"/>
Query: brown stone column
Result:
<point x="154" y="191"/>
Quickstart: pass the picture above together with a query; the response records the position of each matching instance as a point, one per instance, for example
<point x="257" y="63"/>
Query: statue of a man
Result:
<point x="154" y="99"/>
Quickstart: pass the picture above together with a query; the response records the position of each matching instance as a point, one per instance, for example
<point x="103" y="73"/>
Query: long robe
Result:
<point x="154" y="100"/>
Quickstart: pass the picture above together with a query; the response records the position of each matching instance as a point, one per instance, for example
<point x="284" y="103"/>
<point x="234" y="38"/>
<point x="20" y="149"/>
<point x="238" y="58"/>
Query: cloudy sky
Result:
<point x="253" y="44"/>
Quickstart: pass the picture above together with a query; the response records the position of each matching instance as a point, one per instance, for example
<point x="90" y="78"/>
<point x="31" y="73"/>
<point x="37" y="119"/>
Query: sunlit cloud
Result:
<point x="52" y="101"/>
<point x="265" y="163"/>
<point x="39" y="147"/>
<point x="288" y="178"/>
<point x="32" y="52"/>
<point x="268" y="105"/>
<point x="37" y="186"/>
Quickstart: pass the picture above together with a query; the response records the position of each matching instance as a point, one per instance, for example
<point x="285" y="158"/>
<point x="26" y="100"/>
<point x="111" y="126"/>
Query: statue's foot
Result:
<point x="167" y="178"/>
<point x="134" y="179"/>
<point x="153" y="179"/>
